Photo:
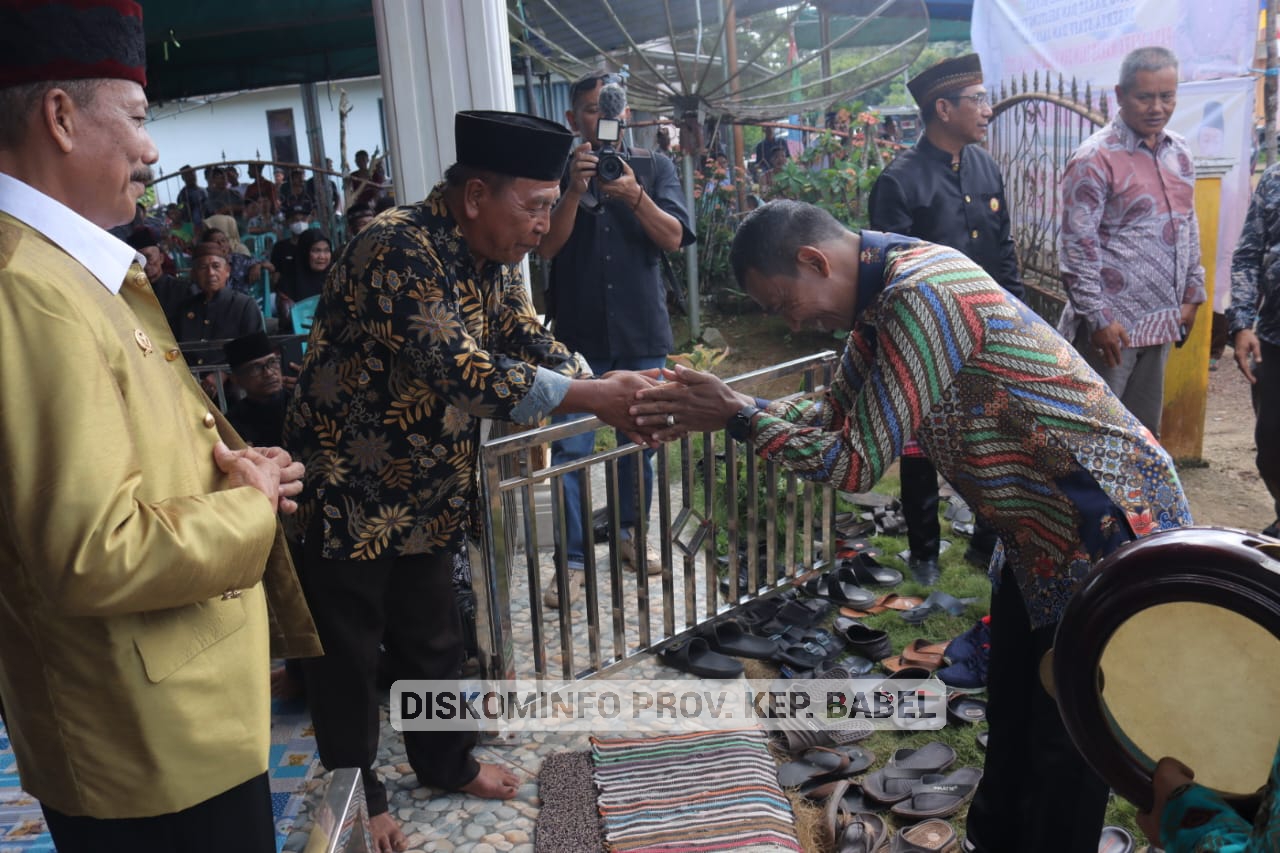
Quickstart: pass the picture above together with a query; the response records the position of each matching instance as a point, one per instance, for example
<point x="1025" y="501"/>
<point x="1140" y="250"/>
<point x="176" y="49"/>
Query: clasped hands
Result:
<point x="655" y="406"/>
<point x="270" y="470"/>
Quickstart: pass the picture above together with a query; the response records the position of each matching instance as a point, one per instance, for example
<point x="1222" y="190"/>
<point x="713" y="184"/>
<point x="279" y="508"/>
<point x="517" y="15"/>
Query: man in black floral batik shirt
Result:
<point x="424" y="327"/>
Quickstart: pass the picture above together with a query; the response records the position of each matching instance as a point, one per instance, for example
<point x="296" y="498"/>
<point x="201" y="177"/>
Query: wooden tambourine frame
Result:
<point x="1172" y="647"/>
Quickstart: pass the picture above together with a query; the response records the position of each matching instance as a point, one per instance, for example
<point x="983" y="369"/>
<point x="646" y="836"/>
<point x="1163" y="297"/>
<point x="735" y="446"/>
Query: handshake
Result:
<point x="654" y="406"/>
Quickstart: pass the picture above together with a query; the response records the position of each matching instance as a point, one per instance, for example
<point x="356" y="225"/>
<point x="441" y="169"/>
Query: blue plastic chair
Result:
<point x="304" y="314"/>
<point x="262" y="294"/>
<point x="260" y="245"/>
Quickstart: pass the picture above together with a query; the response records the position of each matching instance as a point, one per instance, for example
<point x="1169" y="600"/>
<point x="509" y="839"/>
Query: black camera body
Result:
<point x="609" y="166"/>
<point x="613" y="104"/>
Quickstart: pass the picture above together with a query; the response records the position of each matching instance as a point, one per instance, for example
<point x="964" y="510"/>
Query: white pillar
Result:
<point x="437" y="57"/>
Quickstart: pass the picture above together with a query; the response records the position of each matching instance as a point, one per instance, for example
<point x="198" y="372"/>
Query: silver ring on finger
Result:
<point x="671" y="420"/>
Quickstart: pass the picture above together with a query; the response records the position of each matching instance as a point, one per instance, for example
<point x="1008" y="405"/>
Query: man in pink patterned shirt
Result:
<point x="1130" y="246"/>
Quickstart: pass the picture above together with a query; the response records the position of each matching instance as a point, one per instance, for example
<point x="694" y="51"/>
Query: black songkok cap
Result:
<point x="71" y="40"/>
<point x="946" y="76"/>
<point x="243" y="350"/>
<point x="515" y="144"/>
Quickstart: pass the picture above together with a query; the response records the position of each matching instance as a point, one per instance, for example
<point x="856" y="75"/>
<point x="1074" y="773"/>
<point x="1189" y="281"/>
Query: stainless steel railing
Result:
<point x="771" y="514"/>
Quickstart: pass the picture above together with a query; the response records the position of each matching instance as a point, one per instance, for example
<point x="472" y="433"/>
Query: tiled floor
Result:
<point x="292" y="763"/>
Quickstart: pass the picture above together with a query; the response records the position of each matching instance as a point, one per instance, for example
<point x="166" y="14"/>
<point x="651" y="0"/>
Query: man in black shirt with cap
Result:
<point x="946" y="190"/>
<point x="424" y="327"/>
<point x="259" y="415"/>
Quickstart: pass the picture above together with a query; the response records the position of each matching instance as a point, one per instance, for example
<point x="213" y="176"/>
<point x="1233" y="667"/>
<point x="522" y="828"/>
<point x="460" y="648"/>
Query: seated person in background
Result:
<point x="255" y="222"/>
<point x="222" y="198"/>
<point x="170" y="290"/>
<point x="311" y="265"/>
<point x="284" y="251"/>
<point x="255" y="364"/>
<point x="233" y="179"/>
<point x="294" y="192"/>
<point x="313" y="190"/>
<point x="215" y="311"/>
<point x="245" y="271"/>
<point x="364" y="185"/>
<point x="181" y="232"/>
<point x="261" y="190"/>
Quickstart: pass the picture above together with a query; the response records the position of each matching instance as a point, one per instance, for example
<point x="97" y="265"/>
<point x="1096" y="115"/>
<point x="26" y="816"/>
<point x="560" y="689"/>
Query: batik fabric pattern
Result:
<point x="1005" y="409"/>
<point x="1129" y="247"/>
<point x="412" y="345"/>
<point x="1197" y="820"/>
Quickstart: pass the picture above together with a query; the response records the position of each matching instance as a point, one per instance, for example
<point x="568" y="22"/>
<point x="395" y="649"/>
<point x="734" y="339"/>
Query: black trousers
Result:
<point x="1266" y="434"/>
<point x="1037" y="793"/>
<point x="237" y="819"/>
<point x="920" y="509"/>
<point x="408" y="602"/>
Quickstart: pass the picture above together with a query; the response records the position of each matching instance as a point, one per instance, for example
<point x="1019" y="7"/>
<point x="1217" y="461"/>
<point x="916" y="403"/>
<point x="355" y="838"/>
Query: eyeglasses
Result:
<point x="258" y="369"/>
<point x="980" y="99"/>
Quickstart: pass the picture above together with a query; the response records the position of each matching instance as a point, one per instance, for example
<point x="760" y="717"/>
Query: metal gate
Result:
<point x="709" y="496"/>
<point x="1034" y="128"/>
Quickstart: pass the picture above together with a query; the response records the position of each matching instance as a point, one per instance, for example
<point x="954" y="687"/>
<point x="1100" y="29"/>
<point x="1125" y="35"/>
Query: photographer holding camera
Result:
<point x="621" y="208"/>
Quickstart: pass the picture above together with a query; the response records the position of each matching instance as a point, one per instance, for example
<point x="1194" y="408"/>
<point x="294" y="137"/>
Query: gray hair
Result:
<point x="18" y="102"/>
<point x="1145" y="59"/>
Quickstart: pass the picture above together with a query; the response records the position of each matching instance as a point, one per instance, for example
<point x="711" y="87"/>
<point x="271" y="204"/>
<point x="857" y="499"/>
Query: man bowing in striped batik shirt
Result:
<point x="1007" y="411"/>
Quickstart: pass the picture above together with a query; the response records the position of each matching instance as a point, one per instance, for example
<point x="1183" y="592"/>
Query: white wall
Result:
<point x="234" y="127"/>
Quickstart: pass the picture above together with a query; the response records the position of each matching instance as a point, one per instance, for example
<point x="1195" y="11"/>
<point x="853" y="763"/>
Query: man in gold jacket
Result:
<point x="143" y="568"/>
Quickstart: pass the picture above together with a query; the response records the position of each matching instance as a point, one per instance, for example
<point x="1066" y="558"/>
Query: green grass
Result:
<point x="963" y="581"/>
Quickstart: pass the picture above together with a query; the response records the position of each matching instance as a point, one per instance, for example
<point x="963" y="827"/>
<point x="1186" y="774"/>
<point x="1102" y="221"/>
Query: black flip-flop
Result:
<point x="829" y="643"/>
<point x="966" y="709"/>
<point x="757" y="611"/>
<point x="866" y="570"/>
<point x="694" y="655"/>
<point x="819" y="763"/>
<point x="940" y="796"/>
<point x="822" y="764"/>
<point x="808" y="656"/>
<point x="893" y="783"/>
<point x="727" y="637"/>
<point x="833" y="586"/>
<point x="794" y="613"/>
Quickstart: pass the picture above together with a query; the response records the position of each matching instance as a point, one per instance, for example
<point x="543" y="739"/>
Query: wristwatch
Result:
<point x="739" y="426"/>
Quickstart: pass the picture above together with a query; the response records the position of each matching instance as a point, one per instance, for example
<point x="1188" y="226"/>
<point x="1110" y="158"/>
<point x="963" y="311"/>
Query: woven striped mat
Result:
<point x="692" y="793"/>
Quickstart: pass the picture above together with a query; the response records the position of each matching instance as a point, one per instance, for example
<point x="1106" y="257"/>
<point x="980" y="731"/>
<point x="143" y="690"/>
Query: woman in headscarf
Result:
<point x="314" y="257"/>
<point x="244" y="269"/>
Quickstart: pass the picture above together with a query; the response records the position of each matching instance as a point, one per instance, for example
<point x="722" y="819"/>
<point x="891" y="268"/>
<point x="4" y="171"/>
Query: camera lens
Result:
<point x="609" y="166"/>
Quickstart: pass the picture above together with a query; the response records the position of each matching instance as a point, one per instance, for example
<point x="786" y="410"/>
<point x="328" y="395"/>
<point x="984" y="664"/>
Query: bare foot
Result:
<point x="387" y="837"/>
<point x="492" y="783"/>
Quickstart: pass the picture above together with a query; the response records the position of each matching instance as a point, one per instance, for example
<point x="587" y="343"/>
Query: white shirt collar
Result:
<point x="103" y="255"/>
